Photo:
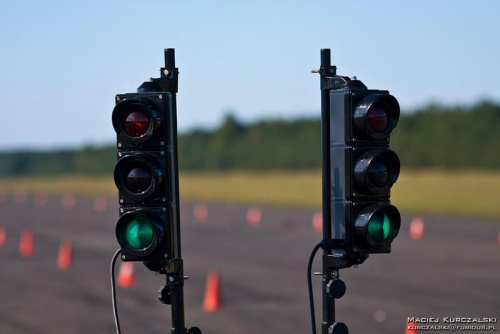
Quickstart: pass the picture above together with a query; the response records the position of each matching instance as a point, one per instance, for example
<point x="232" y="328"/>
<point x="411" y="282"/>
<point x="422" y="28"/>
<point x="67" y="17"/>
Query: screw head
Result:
<point x="123" y="257"/>
<point x="171" y="279"/>
<point x="120" y="154"/>
<point x="160" y="97"/>
<point x="162" y="143"/>
<point x="165" y="255"/>
<point x="119" y="144"/>
<point x="121" y="200"/>
<point x="121" y="210"/>
<point x="117" y="98"/>
<point x="164" y="209"/>
<point x="162" y="153"/>
<point x="166" y="72"/>
<point x="163" y="199"/>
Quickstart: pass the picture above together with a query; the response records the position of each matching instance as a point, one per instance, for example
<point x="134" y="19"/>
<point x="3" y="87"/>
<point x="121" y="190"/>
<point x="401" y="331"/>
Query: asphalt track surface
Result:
<point x="453" y="271"/>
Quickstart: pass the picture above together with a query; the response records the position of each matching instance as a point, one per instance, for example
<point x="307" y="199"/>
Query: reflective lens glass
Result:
<point x="377" y="118"/>
<point x="137" y="180"/>
<point x="379" y="227"/>
<point x="136" y="121"/>
<point x="139" y="234"/>
<point x="378" y="173"/>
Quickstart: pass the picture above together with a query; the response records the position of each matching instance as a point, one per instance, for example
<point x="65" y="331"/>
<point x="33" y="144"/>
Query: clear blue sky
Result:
<point x="62" y="62"/>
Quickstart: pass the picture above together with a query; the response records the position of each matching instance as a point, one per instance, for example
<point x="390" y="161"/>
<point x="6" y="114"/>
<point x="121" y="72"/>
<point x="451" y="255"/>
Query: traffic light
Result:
<point x="359" y="170"/>
<point x="363" y="168"/>
<point x="146" y="170"/>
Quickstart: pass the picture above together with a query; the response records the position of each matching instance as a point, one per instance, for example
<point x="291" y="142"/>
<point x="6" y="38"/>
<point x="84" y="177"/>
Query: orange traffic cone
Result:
<point x="100" y="204"/>
<point x="126" y="276"/>
<point x="41" y="199"/>
<point x="213" y="298"/>
<point x="317" y="222"/>
<point x="26" y="243"/>
<point x="69" y="201"/>
<point x="254" y="216"/>
<point x="200" y="212"/>
<point x="20" y="196"/>
<point x="410" y="328"/>
<point x="64" y="259"/>
<point x="3" y="235"/>
<point x="417" y="228"/>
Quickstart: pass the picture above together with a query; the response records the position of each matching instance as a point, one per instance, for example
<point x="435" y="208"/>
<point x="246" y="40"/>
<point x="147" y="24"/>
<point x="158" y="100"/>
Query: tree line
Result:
<point x="436" y="136"/>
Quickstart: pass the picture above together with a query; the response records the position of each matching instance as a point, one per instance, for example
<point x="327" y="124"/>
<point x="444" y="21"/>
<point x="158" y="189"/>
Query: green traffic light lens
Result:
<point x="139" y="234"/>
<point x="379" y="227"/>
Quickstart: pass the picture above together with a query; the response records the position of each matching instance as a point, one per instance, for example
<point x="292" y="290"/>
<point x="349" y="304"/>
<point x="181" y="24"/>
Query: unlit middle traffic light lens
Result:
<point x="375" y="171"/>
<point x="137" y="180"/>
<point x="378" y="173"/>
<point x="138" y="176"/>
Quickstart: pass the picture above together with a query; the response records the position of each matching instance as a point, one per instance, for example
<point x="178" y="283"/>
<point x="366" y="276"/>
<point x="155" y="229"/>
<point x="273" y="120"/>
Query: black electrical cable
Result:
<point x="309" y="285"/>
<point x="113" y="291"/>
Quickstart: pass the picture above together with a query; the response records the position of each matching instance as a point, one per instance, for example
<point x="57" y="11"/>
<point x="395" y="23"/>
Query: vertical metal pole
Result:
<point x="170" y="64"/>
<point x="170" y="58"/>
<point x="328" y="301"/>
<point x="325" y="145"/>
<point x="176" y="279"/>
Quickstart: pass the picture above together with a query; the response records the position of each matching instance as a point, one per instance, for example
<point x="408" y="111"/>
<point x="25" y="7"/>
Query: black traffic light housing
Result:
<point x="360" y="167"/>
<point x="146" y="172"/>
<point x="359" y="170"/>
<point x="152" y="110"/>
<point x="363" y="169"/>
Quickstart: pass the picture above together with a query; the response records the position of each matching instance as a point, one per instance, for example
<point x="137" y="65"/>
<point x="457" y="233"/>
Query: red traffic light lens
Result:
<point x="137" y="180"/>
<point x="377" y="118"/>
<point x="136" y="121"/>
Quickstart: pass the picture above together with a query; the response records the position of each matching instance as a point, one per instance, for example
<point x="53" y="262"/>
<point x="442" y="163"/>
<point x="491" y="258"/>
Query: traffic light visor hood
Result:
<point x="376" y="116"/>
<point x="135" y="120"/>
